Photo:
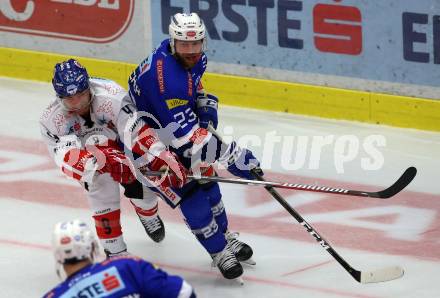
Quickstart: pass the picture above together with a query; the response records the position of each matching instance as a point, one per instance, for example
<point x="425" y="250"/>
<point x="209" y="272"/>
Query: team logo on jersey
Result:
<point x="175" y="102"/>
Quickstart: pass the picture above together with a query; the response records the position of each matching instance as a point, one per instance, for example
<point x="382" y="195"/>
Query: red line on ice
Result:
<point x="24" y="244"/>
<point x="307" y="268"/>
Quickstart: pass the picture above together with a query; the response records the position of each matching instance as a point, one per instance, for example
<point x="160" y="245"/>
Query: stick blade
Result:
<point x="399" y="185"/>
<point x="381" y="275"/>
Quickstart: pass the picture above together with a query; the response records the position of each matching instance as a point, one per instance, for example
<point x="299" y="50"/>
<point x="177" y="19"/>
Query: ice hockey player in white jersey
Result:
<point x="84" y="131"/>
<point x="75" y="246"/>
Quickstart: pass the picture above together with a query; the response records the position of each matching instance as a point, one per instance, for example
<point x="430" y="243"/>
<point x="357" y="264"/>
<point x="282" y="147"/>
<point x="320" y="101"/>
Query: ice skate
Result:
<point x="154" y="227"/>
<point x="241" y="250"/>
<point x="116" y="254"/>
<point x="228" y="264"/>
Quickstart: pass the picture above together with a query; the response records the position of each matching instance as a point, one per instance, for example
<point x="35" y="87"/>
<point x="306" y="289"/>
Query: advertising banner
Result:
<point x="390" y="46"/>
<point x="392" y="41"/>
<point x="64" y="19"/>
<point x="103" y="29"/>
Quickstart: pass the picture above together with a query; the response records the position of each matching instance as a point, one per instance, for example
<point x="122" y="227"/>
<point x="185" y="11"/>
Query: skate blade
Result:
<point x="250" y="262"/>
<point x="239" y="280"/>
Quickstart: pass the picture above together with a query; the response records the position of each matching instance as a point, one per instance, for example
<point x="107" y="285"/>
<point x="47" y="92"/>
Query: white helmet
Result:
<point x="186" y="27"/>
<point x="73" y="241"/>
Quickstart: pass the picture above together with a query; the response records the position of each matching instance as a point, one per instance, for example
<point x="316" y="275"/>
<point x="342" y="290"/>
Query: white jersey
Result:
<point x="112" y="113"/>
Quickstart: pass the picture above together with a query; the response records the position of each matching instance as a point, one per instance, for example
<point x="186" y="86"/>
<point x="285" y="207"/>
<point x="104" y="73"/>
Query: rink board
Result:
<point x="254" y="93"/>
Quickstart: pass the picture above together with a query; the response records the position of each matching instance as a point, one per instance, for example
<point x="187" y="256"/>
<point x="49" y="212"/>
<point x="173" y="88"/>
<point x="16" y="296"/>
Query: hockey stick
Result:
<point x="397" y="186"/>
<point x="385" y="274"/>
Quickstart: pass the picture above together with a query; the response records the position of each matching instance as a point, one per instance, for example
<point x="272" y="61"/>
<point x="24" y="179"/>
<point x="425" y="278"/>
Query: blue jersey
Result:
<point x="119" y="277"/>
<point x="162" y="87"/>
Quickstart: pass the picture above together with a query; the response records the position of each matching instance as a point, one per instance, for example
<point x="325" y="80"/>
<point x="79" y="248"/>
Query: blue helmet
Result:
<point x="69" y="78"/>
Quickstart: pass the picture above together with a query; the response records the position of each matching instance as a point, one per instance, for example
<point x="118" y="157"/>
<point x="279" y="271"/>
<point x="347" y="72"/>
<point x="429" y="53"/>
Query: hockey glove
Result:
<point x="175" y="173"/>
<point x="242" y="162"/>
<point x="207" y="105"/>
<point x="79" y="164"/>
<point x="117" y="165"/>
<point x="203" y="170"/>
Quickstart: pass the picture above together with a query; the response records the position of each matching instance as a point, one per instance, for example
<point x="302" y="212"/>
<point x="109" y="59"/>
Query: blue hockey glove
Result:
<point x="243" y="164"/>
<point x="207" y="105"/>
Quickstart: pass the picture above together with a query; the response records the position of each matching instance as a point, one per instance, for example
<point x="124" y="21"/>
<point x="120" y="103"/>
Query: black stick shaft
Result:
<point x="353" y="272"/>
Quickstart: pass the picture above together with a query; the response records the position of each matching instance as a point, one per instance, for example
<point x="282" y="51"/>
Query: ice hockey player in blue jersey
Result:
<point x="75" y="247"/>
<point x="167" y="87"/>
